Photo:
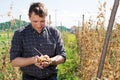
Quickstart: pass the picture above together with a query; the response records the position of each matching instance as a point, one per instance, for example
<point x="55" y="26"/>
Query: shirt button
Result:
<point x="40" y="44"/>
<point x="47" y="73"/>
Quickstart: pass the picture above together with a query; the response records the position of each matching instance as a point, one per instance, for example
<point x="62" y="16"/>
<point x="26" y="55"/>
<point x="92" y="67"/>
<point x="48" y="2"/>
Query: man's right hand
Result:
<point x="42" y="61"/>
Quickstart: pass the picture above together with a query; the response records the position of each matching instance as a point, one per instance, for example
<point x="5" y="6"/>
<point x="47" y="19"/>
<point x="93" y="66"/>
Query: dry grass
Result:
<point x="90" y="43"/>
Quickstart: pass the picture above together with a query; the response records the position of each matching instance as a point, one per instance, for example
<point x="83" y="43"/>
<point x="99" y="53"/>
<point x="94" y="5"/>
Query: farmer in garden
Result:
<point x="37" y="49"/>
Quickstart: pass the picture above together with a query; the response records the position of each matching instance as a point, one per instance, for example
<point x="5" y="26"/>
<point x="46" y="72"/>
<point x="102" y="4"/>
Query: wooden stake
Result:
<point x="107" y="38"/>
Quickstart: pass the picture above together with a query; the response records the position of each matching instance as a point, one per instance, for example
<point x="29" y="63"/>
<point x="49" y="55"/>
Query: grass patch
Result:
<point x="68" y="70"/>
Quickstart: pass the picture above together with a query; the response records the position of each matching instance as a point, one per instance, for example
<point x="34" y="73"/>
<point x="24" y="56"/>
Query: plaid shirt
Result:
<point x="48" y="42"/>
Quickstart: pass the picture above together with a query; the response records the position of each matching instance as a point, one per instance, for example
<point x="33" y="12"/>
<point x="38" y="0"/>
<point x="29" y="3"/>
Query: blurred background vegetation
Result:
<point x="83" y="44"/>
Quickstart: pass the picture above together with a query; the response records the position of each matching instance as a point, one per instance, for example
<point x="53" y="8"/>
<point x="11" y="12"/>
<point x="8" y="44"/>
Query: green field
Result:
<point x="67" y="71"/>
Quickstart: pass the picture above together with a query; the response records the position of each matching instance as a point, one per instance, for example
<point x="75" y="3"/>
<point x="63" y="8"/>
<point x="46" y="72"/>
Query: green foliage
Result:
<point x="63" y="29"/>
<point x="68" y="70"/>
<point x="13" y="25"/>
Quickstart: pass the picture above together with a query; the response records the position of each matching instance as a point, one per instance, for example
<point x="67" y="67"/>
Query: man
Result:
<point x="37" y="49"/>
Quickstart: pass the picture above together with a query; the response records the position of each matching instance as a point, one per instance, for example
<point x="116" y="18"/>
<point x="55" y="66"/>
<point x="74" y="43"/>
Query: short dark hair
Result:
<point x="38" y="8"/>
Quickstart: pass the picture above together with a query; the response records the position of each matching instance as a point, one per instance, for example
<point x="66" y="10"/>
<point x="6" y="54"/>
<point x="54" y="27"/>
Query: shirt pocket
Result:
<point x="28" y="48"/>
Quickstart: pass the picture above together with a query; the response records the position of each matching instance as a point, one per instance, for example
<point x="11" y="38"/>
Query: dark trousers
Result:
<point x="28" y="77"/>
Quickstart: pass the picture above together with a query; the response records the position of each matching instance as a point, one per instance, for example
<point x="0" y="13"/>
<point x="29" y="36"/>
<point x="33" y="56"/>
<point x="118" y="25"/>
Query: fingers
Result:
<point x="39" y="65"/>
<point x="42" y="65"/>
<point x="46" y="56"/>
<point x="42" y="61"/>
<point x="45" y="64"/>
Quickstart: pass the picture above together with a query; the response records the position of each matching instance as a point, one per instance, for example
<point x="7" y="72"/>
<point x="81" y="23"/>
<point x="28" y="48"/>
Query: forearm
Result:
<point x="21" y="62"/>
<point x="57" y="60"/>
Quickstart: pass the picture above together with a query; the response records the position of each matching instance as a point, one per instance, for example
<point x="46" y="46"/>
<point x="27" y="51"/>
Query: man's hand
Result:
<point x="42" y="61"/>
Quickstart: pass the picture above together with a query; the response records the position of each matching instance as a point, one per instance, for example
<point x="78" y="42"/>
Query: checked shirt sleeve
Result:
<point x="60" y="50"/>
<point x="16" y="45"/>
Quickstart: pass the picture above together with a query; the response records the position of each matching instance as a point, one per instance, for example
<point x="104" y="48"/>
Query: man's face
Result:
<point x="37" y="22"/>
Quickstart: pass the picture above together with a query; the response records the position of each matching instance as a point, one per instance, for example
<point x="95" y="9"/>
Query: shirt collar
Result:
<point x="34" y="31"/>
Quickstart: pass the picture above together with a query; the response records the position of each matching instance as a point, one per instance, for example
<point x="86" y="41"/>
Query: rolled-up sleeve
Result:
<point x="60" y="50"/>
<point x="16" y="46"/>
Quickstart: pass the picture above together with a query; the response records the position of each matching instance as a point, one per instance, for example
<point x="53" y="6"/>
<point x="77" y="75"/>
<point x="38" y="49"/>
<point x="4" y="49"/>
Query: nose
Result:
<point x="38" y="24"/>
